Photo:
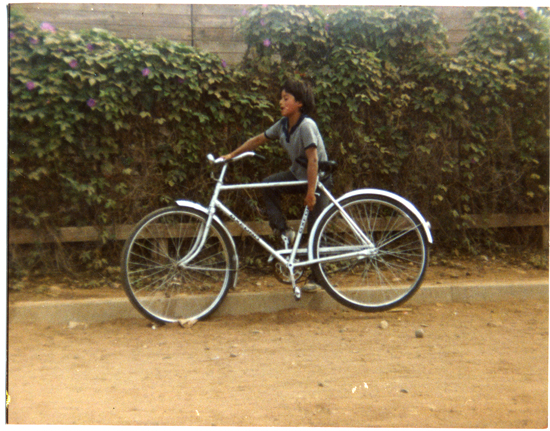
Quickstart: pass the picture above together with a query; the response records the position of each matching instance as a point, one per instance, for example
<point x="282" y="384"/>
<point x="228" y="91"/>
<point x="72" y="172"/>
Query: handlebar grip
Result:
<point x="213" y="160"/>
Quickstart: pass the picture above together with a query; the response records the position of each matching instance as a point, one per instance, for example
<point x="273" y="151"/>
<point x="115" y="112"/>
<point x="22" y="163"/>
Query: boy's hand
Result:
<point x="310" y="201"/>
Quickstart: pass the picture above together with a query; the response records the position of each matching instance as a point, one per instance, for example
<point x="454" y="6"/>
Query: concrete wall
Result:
<point x="206" y="26"/>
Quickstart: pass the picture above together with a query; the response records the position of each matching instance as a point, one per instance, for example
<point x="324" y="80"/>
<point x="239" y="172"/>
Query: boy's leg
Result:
<point x="272" y="198"/>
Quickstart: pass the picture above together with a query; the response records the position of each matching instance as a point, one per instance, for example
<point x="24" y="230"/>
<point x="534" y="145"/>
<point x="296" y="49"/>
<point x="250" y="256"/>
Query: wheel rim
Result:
<point x="159" y="287"/>
<point x="383" y="276"/>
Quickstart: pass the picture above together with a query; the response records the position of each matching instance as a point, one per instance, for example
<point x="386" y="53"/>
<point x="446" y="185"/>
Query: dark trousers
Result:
<point x="272" y="198"/>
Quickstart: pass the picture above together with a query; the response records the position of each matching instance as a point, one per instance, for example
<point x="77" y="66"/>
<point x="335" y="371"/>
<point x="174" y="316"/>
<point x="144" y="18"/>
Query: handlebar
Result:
<point x="213" y="160"/>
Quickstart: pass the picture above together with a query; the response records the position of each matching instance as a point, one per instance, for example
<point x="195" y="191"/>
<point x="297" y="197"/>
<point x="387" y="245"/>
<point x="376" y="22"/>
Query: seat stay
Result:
<point x="356" y="230"/>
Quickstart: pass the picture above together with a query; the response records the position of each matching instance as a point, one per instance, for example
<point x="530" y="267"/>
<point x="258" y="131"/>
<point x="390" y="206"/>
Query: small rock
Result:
<point x="419" y="333"/>
<point x="233" y="355"/>
<point x="187" y="322"/>
<point x="383" y="324"/>
<point x="321" y="384"/>
<point x="77" y="325"/>
<point x="496" y="324"/>
<point x="404" y="391"/>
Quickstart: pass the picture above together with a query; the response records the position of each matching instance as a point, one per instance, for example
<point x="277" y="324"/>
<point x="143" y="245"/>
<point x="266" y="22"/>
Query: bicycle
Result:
<point x="368" y="249"/>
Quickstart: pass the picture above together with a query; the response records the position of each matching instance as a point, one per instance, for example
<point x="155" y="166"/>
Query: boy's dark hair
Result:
<point x="303" y="93"/>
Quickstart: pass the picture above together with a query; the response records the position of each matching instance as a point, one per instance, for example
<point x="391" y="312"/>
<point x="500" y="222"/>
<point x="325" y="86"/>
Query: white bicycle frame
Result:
<point x="366" y="249"/>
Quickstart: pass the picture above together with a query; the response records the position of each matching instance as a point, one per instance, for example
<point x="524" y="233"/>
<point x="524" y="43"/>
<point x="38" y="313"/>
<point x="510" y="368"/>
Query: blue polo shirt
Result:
<point x="303" y="135"/>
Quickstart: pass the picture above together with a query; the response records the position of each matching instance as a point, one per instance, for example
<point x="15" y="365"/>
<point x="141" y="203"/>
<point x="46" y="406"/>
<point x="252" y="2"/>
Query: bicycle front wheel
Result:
<point x="375" y="276"/>
<point x="168" y="274"/>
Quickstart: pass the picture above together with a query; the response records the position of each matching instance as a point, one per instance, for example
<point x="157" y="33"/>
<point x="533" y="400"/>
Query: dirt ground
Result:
<point x="478" y="366"/>
<point x="475" y="365"/>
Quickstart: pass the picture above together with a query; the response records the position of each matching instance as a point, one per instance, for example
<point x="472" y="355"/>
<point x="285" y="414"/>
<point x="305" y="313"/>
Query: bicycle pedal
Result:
<point x="297" y="293"/>
<point x="286" y="242"/>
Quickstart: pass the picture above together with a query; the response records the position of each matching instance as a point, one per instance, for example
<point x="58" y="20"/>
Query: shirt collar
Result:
<point x="285" y="126"/>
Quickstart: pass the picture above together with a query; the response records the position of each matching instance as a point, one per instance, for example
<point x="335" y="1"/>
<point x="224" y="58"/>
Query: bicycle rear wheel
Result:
<point x="164" y="291"/>
<point x="371" y="278"/>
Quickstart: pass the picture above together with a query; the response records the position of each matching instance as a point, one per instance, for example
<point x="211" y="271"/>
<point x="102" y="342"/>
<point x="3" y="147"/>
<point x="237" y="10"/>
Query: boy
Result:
<point x="299" y="135"/>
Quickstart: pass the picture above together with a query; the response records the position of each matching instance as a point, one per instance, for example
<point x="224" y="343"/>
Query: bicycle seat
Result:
<point x="325" y="167"/>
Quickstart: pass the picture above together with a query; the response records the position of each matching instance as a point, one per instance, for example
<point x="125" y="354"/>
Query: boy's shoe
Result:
<point x="311" y="287"/>
<point x="288" y="237"/>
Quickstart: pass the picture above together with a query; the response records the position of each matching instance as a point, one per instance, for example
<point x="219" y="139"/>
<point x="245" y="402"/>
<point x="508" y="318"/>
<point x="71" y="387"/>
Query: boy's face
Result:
<point x="289" y="105"/>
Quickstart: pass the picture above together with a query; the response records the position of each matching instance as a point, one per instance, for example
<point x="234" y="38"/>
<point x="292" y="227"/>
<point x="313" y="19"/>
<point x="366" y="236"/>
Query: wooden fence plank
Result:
<point x="121" y="232"/>
<point x="507" y="220"/>
<point x="212" y="23"/>
<point x="128" y="8"/>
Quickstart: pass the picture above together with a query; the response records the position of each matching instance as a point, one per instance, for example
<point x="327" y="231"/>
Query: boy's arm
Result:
<point x="312" y="171"/>
<point x="249" y="145"/>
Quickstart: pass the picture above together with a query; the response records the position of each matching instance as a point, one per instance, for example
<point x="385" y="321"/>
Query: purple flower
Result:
<point x="90" y="47"/>
<point x="267" y="43"/>
<point x="262" y="22"/>
<point x="224" y="64"/>
<point x="33" y="40"/>
<point x="521" y="13"/>
<point x="244" y="12"/>
<point x="30" y="85"/>
<point x="12" y="35"/>
<point x="73" y="63"/>
<point x="181" y="80"/>
<point x="146" y="72"/>
<point x="327" y="26"/>
<point x="46" y="26"/>
<point x="90" y="103"/>
<point x="264" y="5"/>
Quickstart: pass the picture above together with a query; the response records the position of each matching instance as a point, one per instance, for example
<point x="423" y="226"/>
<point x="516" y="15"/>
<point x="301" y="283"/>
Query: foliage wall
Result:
<point x="457" y="135"/>
<point x="103" y="130"/>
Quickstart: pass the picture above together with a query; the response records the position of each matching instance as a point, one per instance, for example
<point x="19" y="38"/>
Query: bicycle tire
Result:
<point x="384" y="277"/>
<point x="157" y="286"/>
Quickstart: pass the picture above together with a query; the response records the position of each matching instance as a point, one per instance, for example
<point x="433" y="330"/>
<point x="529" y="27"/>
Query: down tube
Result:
<point x="253" y="234"/>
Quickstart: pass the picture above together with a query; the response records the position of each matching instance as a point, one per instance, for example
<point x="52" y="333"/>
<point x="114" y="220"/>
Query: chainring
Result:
<point x="281" y="273"/>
